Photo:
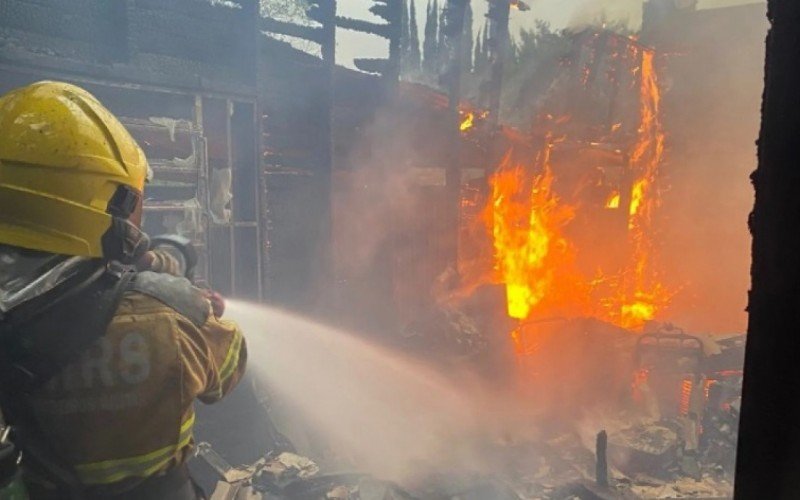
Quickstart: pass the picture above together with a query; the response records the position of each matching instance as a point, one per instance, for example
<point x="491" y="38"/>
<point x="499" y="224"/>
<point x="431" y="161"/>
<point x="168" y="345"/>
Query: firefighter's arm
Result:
<point x="214" y="357"/>
<point x="159" y="261"/>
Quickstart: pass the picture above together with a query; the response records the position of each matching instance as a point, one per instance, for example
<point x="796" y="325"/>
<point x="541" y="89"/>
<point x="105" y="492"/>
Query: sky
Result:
<point x="559" y="13"/>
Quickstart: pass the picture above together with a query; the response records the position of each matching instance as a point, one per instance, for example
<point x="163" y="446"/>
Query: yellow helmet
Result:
<point x="70" y="174"/>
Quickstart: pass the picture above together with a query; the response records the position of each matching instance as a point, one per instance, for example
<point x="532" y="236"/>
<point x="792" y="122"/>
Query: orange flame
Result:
<point x="643" y="293"/>
<point x="687" y="386"/>
<point x="534" y="257"/>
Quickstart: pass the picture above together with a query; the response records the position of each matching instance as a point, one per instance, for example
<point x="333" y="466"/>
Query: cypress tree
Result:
<point x="414" y="57"/>
<point x="441" y="46"/>
<point x="405" y="42"/>
<point x="477" y="62"/>
<point x="404" y="27"/>
<point x="482" y="48"/>
<point x="430" y="47"/>
<point x="486" y="45"/>
<point x="466" y="40"/>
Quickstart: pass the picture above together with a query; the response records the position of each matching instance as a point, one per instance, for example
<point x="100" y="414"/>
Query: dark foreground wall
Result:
<point x="769" y="442"/>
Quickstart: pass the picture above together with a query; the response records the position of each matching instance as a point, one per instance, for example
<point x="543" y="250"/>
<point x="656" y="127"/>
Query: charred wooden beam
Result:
<point x="380" y="66"/>
<point x="311" y="33"/>
<point x="601" y="459"/>
<point x="390" y="11"/>
<point x="379" y="29"/>
<point x="321" y="11"/>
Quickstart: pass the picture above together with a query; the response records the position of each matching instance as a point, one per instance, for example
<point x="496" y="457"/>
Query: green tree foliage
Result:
<point x="290" y="11"/>
<point x="285" y="10"/>
<point x="536" y="63"/>
<point x="531" y="70"/>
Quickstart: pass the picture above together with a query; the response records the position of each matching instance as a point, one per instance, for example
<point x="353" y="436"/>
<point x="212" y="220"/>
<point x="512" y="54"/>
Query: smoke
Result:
<point x="711" y="104"/>
<point x="388" y="221"/>
<point x="587" y="13"/>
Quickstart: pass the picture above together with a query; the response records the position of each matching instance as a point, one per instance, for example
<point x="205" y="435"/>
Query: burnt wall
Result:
<point x="177" y="42"/>
<point x="296" y="173"/>
<point x="193" y="36"/>
<point x="81" y="29"/>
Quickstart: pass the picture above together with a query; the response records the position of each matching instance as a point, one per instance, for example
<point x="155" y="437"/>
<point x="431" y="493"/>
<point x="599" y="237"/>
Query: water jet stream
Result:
<point x="384" y="411"/>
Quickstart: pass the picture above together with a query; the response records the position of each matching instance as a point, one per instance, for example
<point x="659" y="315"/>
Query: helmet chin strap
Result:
<point x="124" y="241"/>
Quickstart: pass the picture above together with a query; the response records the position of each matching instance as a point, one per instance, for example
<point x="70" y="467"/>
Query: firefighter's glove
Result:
<point x="217" y="302"/>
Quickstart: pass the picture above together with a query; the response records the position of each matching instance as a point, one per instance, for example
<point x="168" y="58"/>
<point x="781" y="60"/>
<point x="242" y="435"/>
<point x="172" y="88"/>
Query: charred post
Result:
<point x="500" y="42"/>
<point x="601" y="457"/>
<point x="454" y="15"/>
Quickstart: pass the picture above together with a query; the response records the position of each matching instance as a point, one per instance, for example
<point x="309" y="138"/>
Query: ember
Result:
<point x="468" y="122"/>
<point x="613" y="200"/>
<point x="470" y="119"/>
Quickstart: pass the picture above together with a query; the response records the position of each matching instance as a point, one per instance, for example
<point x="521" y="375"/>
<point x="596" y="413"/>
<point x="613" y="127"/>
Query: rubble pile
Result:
<point x="668" y="400"/>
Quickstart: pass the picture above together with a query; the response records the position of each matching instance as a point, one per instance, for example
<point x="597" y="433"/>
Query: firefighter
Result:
<point x="99" y="365"/>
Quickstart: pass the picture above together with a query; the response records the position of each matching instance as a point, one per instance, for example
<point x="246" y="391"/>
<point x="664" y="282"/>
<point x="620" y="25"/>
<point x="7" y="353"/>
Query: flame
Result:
<point x="532" y="257"/>
<point x="643" y="294"/>
<point x="535" y="258"/>
<point x="613" y="200"/>
<point x="468" y="122"/>
<point x="472" y="118"/>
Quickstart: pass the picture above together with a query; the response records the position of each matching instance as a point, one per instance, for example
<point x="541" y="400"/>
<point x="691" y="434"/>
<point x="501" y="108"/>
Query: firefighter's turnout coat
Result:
<point x="124" y="410"/>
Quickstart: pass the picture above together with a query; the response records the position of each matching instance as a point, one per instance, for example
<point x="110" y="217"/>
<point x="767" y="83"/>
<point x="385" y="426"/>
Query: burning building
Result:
<point x="556" y="269"/>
